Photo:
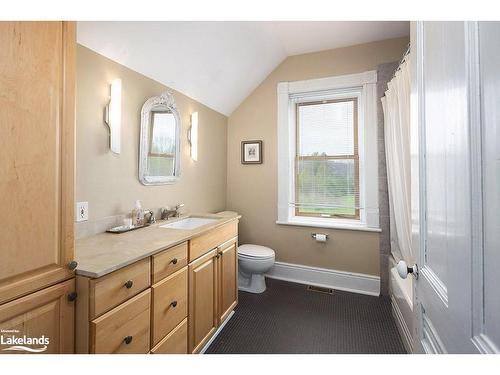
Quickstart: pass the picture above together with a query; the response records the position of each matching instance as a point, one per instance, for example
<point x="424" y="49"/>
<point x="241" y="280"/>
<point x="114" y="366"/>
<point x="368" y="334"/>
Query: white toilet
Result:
<point x="253" y="262"/>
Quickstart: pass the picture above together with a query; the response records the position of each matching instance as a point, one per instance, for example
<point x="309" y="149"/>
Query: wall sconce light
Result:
<point x="113" y="117"/>
<point x="193" y="136"/>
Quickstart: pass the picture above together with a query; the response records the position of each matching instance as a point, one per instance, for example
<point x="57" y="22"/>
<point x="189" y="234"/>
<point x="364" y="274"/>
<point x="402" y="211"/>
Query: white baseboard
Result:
<point x="404" y="332"/>
<point x="341" y="280"/>
<point x="202" y="351"/>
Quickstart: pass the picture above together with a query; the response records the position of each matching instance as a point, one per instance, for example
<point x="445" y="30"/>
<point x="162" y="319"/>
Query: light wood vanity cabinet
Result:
<point x="174" y="303"/>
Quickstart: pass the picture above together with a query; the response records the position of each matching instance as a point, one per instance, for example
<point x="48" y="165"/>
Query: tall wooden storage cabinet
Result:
<point x="37" y="130"/>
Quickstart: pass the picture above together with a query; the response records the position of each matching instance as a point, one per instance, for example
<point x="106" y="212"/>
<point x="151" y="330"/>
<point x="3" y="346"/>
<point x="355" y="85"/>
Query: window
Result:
<point x="327" y="152"/>
<point x="327" y="160"/>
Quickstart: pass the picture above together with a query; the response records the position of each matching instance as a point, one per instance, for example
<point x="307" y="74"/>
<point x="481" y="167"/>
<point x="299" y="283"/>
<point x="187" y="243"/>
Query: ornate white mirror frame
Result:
<point x="162" y="103"/>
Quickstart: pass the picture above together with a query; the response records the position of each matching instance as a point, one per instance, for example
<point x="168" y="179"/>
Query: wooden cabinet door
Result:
<point x="228" y="279"/>
<point x="202" y="313"/>
<point x="47" y="316"/>
<point x="37" y="120"/>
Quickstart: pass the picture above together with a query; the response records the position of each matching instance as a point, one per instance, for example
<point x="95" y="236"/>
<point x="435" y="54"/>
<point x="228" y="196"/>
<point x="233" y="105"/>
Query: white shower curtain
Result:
<point x="396" y="105"/>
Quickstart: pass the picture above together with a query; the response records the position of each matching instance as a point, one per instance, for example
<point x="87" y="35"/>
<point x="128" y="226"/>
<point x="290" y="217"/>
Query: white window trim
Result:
<point x="362" y="86"/>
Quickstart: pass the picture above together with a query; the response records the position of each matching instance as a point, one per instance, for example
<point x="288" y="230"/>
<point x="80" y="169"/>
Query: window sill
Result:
<point x="338" y="224"/>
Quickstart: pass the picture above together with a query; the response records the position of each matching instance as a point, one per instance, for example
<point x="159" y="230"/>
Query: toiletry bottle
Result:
<point x="138" y="214"/>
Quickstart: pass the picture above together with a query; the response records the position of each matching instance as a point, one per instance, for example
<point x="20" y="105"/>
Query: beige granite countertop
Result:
<point x="103" y="253"/>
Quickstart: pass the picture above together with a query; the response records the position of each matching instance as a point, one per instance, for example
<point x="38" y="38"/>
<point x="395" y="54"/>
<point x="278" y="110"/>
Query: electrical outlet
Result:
<point x="82" y="211"/>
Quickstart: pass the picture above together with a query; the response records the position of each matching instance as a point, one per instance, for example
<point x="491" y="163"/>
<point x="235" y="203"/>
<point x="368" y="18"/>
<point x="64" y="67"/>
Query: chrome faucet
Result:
<point x="152" y="218"/>
<point x="168" y="212"/>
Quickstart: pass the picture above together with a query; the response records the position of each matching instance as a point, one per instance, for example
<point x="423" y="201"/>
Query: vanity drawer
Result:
<point x="125" y="329"/>
<point x="169" y="304"/>
<point x="169" y="261"/>
<point x="175" y="342"/>
<point x="210" y="240"/>
<point x="109" y="291"/>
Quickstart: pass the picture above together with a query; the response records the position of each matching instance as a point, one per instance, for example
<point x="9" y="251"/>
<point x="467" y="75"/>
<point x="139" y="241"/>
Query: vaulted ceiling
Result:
<point x="220" y="63"/>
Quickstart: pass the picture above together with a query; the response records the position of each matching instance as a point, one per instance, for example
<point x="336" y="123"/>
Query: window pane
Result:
<point x="326" y="187"/>
<point x="326" y="128"/>
<point x="163" y="133"/>
<point x="161" y="166"/>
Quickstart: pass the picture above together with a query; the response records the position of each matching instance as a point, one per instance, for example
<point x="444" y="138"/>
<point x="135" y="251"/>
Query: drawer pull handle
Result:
<point x="173" y="304"/>
<point x="129" y="285"/>
<point x="174" y="261"/>
<point x="127" y="340"/>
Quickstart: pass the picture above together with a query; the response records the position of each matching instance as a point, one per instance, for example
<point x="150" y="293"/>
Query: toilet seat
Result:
<point x="255" y="252"/>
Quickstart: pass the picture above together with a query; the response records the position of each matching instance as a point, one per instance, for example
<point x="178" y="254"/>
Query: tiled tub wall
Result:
<point x="384" y="75"/>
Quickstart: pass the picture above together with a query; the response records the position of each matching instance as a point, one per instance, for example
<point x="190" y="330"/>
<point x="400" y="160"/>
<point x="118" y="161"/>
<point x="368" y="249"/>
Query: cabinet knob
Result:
<point x="174" y="261"/>
<point x="173" y="304"/>
<point x="217" y="256"/>
<point x="72" y="296"/>
<point x="72" y="265"/>
<point x="127" y="340"/>
<point x="129" y="284"/>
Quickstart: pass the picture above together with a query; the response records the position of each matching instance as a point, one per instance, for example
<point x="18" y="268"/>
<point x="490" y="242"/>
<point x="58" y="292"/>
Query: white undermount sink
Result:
<point x="189" y="223"/>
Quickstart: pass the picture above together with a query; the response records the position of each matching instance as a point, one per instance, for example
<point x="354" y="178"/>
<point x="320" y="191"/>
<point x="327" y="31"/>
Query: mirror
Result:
<point x="159" y="161"/>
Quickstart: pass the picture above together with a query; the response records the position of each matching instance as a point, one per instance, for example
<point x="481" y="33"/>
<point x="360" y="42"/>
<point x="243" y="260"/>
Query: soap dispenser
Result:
<point x="138" y="214"/>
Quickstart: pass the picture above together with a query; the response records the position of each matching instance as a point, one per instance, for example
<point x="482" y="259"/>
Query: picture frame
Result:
<point x="251" y="152"/>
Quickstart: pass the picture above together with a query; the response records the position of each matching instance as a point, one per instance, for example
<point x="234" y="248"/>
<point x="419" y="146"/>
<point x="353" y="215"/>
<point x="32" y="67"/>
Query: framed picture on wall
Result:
<point x="251" y="152"/>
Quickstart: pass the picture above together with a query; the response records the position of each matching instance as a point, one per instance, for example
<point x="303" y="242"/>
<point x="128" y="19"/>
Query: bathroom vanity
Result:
<point x="161" y="289"/>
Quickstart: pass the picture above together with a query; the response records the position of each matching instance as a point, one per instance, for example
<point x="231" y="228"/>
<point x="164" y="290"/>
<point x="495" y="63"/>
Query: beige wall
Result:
<point x="252" y="189"/>
<point x="110" y="182"/>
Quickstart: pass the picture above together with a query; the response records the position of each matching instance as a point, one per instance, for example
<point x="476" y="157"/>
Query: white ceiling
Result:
<point x="220" y="63"/>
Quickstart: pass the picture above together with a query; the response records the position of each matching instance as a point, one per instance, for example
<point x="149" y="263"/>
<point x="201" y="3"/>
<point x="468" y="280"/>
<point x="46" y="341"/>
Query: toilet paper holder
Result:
<point x="313" y="235"/>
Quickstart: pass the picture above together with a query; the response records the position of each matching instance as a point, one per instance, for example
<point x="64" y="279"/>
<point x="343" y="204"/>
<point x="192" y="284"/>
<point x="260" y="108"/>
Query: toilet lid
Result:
<point x="255" y="251"/>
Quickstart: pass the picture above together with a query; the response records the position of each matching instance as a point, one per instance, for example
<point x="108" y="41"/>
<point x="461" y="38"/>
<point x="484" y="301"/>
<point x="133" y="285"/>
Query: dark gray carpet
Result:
<point x="287" y="318"/>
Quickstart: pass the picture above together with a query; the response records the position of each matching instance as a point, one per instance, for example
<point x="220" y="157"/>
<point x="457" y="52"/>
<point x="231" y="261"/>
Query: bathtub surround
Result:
<point x="401" y="295"/>
<point x="252" y="190"/>
<point x="109" y="182"/>
<point x="384" y="74"/>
